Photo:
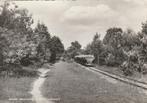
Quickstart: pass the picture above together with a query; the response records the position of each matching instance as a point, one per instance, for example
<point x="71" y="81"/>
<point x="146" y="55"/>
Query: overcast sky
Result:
<point x="81" y="19"/>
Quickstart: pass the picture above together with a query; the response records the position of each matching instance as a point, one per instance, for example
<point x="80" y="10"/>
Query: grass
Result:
<point x="118" y="71"/>
<point x="15" y="88"/>
<point x="16" y="84"/>
<point x="73" y="84"/>
<point x="15" y="70"/>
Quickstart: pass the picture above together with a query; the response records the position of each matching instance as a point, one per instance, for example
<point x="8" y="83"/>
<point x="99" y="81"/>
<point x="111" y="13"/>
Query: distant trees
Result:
<point x="121" y="48"/>
<point x="109" y="50"/>
<point x="144" y="28"/>
<point x="20" y="43"/>
<point x="96" y="48"/>
<point x="74" y="49"/>
<point x="56" y="48"/>
<point x="49" y="48"/>
<point x="87" y="49"/>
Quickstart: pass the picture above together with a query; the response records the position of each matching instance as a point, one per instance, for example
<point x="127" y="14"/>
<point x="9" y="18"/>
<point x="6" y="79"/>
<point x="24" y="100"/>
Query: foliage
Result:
<point x="21" y="44"/>
<point x="74" y="49"/>
<point x="56" y="48"/>
<point x="144" y="28"/>
<point x="96" y="48"/>
<point x="131" y="64"/>
<point x="42" y="38"/>
<point x="114" y="40"/>
<point x="17" y="25"/>
<point x="15" y="70"/>
<point x="130" y="39"/>
<point x="113" y="37"/>
<point x="3" y="45"/>
<point x="88" y="49"/>
<point x="14" y="18"/>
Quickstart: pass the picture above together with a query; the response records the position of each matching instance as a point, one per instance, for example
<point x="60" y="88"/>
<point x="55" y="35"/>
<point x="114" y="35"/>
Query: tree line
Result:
<point x="124" y="49"/>
<point x="23" y="45"/>
<point x="20" y="43"/>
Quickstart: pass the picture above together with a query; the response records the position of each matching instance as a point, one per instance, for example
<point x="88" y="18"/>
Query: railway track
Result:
<point x="130" y="81"/>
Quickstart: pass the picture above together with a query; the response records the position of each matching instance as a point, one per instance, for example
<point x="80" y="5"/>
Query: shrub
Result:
<point x="144" y="69"/>
<point x="111" y="60"/>
<point x="25" y="61"/>
<point x="15" y="70"/>
<point x="126" y="68"/>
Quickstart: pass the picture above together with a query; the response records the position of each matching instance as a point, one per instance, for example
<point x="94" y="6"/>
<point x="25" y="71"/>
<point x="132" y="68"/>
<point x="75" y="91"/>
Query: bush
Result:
<point x="144" y="69"/>
<point x="15" y="70"/>
<point x="129" y="67"/>
<point x="128" y="72"/>
<point x="111" y="60"/>
<point x="125" y="67"/>
<point x="25" y="61"/>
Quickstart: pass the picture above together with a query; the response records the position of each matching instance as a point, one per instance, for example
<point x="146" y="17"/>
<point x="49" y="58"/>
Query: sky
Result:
<point x="80" y="19"/>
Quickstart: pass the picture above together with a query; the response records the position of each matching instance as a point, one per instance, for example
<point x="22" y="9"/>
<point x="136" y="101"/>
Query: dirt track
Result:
<point x="36" y="93"/>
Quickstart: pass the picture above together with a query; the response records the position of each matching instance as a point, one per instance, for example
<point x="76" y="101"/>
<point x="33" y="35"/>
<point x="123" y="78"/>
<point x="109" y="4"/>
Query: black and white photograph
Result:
<point x="73" y="51"/>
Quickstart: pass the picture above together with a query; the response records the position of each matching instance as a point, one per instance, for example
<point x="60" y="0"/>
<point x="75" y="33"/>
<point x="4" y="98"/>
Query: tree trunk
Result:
<point x="53" y="57"/>
<point x="98" y="60"/>
<point x="1" y="59"/>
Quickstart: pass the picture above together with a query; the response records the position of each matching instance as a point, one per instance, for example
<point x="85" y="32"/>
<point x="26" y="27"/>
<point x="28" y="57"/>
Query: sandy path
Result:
<point x="36" y="93"/>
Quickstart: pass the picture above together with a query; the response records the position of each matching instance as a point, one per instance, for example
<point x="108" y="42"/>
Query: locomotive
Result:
<point x="84" y="59"/>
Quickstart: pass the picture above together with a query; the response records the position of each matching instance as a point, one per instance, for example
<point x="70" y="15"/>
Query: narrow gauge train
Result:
<point x="84" y="59"/>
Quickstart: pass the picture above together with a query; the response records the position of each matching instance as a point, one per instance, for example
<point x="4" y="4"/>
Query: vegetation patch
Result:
<point x="13" y="70"/>
<point x="73" y="84"/>
<point x="15" y="88"/>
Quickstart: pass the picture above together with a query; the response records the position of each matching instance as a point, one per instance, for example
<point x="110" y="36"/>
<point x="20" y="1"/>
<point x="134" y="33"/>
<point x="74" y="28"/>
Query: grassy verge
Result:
<point x="15" y="88"/>
<point x="117" y="71"/>
<point x="16" y="83"/>
<point x="73" y="84"/>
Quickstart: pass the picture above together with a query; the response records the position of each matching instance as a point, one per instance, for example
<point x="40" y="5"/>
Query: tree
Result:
<point x="113" y="39"/>
<point x="3" y="46"/>
<point x="76" y="45"/>
<point x="144" y="28"/>
<point x="88" y="49"/>
<point x="43" y="39"/>
<point x="142" y="52"/>
<point x="136" y="51"/>
<point x="74" y="49"/>
<point x="56" y="48"/>
<point x="7" y="15"/>
<point x="97" y="48"/>
<point x="18" y="34"/>
<point x="14" y="18"/>
<point x="130" y="40"/>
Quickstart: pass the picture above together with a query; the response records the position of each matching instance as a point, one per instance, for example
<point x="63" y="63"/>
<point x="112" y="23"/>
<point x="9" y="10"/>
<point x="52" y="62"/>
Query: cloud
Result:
<point x="81" y="19"/>
<point x="87" y="15"/>
<point x="48" y="10"/>
<point x="137" y="2"/>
